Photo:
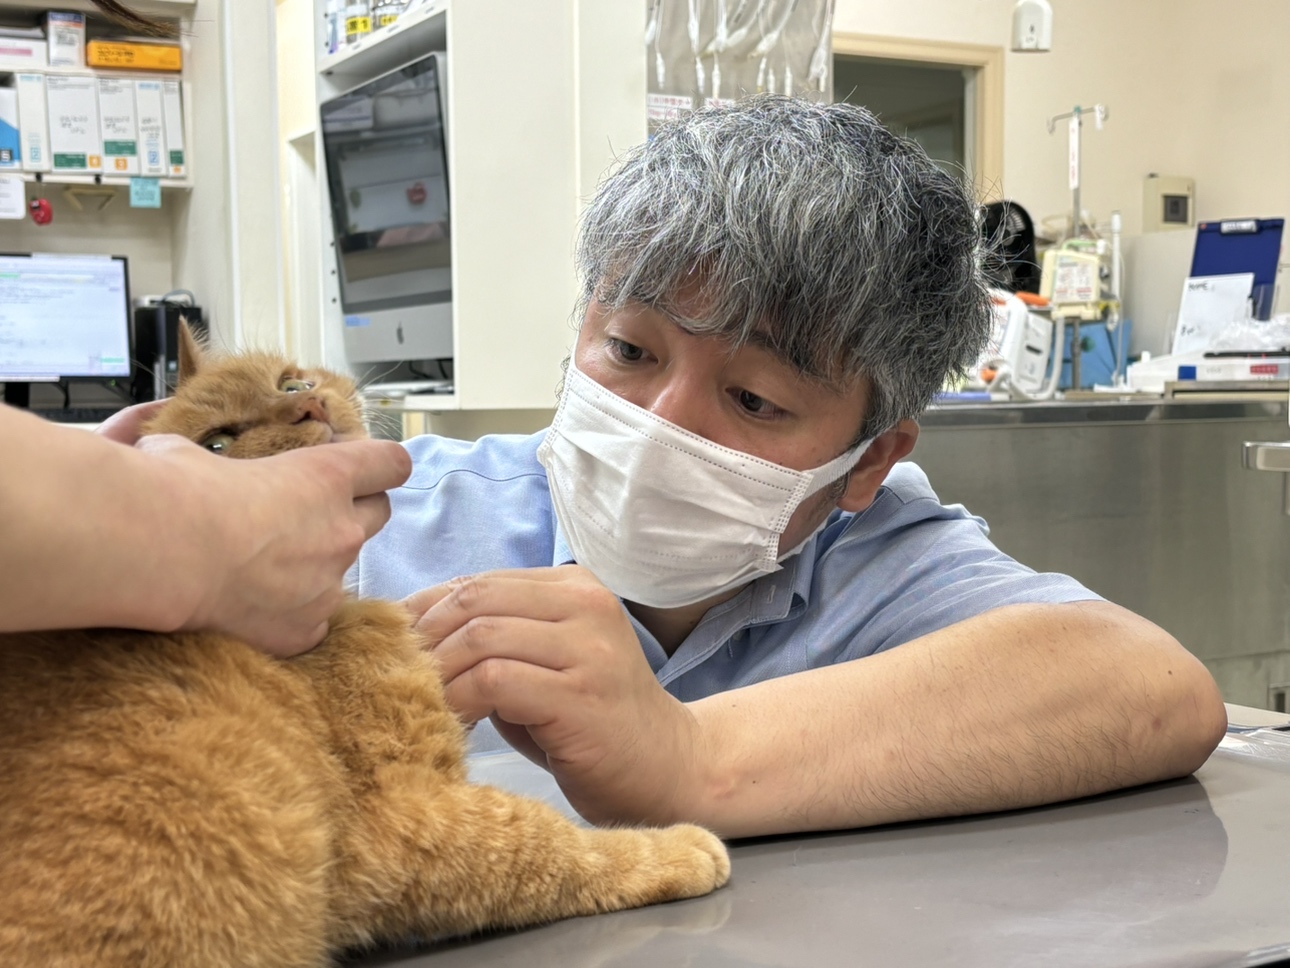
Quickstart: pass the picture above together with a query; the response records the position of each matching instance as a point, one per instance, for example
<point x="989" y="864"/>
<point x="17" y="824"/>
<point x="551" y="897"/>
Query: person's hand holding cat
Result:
<point x="551" y="656"/>
<point x="273" y="536"/>
<point x="293" y="523"/>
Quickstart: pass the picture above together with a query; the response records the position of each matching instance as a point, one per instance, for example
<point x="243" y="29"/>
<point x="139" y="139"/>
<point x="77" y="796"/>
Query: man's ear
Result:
<point x="191" y="353"/>
<point x="877" y="462"/>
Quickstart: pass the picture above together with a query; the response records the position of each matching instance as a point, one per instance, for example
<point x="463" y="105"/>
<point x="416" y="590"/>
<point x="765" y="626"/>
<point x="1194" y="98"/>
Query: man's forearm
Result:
<point x="1021" y="706"/>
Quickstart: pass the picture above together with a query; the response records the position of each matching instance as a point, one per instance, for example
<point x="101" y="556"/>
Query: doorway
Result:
<point x="947" y="97"/>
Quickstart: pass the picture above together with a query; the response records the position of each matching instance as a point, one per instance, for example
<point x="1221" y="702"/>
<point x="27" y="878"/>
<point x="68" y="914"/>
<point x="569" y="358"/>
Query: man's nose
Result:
<point x="682" y="402"/>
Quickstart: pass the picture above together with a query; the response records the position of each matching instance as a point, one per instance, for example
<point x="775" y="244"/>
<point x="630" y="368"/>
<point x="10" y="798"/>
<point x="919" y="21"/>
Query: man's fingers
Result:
<point x="446" y="608"/>
<point x="124" y="426"/>
<point x="501" y="637"/>
<point x="518" y="692"/>
<point x="521" y="740"/>
<point x="418" y="603"/>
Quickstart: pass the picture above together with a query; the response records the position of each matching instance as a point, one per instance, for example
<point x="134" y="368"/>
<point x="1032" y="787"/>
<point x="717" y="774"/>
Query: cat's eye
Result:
<point x="218" y="443"/>
<point x="295" y="386"/>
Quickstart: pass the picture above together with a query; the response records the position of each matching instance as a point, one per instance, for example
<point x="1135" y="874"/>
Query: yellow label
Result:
<point x="96" y="161"/>
<point x="121" y="164"/>
<point x="385" y="19"/>
<point x="156" y="57"/>
<point x="358" y="25"/>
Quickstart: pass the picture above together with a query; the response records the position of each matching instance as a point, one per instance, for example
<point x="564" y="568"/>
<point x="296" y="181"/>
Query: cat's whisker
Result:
<point x="376" y="377"/>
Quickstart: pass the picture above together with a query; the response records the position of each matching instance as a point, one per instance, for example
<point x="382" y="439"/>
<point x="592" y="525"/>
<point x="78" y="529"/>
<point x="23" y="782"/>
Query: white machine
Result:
<point x="1020" y="349"/>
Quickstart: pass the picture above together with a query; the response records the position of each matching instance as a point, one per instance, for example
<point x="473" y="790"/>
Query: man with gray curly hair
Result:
<point x="712" y="590"/>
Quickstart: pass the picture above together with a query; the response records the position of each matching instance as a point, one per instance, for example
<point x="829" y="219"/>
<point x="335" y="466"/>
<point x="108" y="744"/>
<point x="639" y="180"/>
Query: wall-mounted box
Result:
<point x="172" y="111"/>
<point x="1168" y="202"/>
<point x="125" y="56"/>
<point x="23" y="54"/>
<point x="75" y="140"/>
<point x="33" y="121"/>
<point x="152" y="128"/>
<point x="119" y="125"/>
<point x="66" y="37"/>
<point x="10" y="139"/>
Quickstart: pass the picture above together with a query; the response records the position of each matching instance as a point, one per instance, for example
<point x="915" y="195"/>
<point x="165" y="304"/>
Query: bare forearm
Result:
<point x="1021" y="706"/>
<point x="83" y="520"/>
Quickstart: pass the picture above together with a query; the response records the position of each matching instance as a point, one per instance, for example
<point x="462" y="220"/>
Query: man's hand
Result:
<point x="551" y="656"/>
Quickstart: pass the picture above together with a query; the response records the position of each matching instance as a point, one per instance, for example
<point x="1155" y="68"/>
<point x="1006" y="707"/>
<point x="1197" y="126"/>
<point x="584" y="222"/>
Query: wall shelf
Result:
<point x="416" y="32"/>
<point x="107" y="181"/>
<point x="136" y="74"/>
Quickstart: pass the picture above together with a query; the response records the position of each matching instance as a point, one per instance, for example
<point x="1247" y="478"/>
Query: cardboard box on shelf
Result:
<point x="130" y="56"/>
<point x="10" y="140"/>
<point x="75" y="140"/>
<point x="66" y="36"/>
<point x="119" y="125"/>
<point x="152" y="128"/>
<point x="33" y="121"/>
<point x="23" y="53"/>
<point x="173" y="113"/>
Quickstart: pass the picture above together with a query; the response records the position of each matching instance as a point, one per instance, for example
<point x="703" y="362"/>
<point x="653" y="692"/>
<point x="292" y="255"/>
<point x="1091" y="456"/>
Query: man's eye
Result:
<point x="627" y="352"/>
<point x="758" y="406"/>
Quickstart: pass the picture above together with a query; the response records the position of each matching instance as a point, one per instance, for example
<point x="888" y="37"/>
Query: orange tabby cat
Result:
<point x="184" y="801"/>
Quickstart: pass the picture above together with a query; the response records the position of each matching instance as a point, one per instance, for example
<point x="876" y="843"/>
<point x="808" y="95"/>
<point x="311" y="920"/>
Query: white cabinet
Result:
<point x="542" y="97"/>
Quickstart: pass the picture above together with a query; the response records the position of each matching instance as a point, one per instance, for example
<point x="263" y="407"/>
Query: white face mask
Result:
<point x="660" y="515"/>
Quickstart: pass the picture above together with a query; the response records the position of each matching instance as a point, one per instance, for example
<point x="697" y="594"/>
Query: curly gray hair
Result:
<point x="809" y="227"/>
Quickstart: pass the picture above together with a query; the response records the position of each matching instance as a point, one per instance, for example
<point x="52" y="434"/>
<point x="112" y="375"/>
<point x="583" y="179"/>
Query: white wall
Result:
<point x="1194" y="87"/>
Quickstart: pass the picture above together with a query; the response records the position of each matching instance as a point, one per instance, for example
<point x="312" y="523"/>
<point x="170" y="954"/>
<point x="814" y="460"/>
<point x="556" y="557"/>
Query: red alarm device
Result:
<point x="42" y="213"/>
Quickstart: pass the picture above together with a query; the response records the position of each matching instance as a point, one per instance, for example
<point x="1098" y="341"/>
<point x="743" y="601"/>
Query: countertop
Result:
<point x="1185" y="874"/>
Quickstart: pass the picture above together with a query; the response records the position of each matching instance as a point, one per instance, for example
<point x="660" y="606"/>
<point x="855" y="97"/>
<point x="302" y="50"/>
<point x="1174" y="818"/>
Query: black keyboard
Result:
<point x="78" y="414"/>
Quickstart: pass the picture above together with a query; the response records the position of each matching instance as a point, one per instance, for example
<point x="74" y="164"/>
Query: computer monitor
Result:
<point x="385" y="143"/>
<point x="62" y="317"/>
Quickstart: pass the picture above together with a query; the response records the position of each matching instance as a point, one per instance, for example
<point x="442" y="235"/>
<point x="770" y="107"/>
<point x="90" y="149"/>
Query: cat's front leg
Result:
<point x="466" y="858"/>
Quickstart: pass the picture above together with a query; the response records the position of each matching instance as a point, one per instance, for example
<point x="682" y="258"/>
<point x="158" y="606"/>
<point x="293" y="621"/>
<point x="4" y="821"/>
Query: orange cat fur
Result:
<point x="183" y="800"/>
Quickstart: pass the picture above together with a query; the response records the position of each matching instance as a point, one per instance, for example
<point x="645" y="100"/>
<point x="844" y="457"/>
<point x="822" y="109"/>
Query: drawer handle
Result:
<point x="1270" y="455"/>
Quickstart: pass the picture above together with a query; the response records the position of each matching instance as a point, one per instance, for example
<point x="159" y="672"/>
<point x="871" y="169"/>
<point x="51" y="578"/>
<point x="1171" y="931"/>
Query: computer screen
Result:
<point x="63" y="316"/>
<point x="386" y="149"/>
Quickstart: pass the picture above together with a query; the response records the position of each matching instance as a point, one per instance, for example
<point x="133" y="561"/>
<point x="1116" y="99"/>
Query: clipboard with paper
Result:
<point x="1209" y="305"/>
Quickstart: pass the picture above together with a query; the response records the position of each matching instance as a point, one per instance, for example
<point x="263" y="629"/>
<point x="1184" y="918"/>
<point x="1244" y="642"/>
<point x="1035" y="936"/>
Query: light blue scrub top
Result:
<point x="904" y="567"/>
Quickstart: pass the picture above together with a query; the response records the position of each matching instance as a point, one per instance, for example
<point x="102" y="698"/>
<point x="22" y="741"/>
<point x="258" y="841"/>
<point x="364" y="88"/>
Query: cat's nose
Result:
<point x="312" y="407"/>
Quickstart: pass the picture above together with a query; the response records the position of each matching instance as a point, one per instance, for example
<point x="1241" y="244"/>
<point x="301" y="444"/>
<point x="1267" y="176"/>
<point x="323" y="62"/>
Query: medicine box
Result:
<point x="74" y="136"/>
<point x="23" y="54"/>
<point x="66" y="36"/>
<point x="152" y="128"/>
<point x="10" y="143"/>
<point x="33" y="121"/>
<point x="173" y="114"/>
<point x="119" y="125"/>
<point x="124" y="55"/>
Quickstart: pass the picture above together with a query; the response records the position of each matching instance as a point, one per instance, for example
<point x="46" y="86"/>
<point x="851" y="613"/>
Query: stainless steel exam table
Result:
<point x="1185" y="874"/>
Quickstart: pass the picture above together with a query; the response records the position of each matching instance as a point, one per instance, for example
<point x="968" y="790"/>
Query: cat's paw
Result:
<point x="693" y="861"/>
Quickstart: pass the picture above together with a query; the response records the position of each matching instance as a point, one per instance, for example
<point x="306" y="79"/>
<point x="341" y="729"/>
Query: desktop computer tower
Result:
<point x="156" y="347"/>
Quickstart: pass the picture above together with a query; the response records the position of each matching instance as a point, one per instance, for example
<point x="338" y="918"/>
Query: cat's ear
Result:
<point x="191" y="353"/>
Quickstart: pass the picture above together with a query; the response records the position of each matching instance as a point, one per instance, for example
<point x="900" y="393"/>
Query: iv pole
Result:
<point x="1077" y="217"/>
<point x="1076" y="116"/>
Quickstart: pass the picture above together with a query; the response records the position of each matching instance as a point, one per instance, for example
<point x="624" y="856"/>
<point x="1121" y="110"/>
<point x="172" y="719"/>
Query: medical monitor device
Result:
<point x="63" y="317"/>
<point x="385" y="144"/>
